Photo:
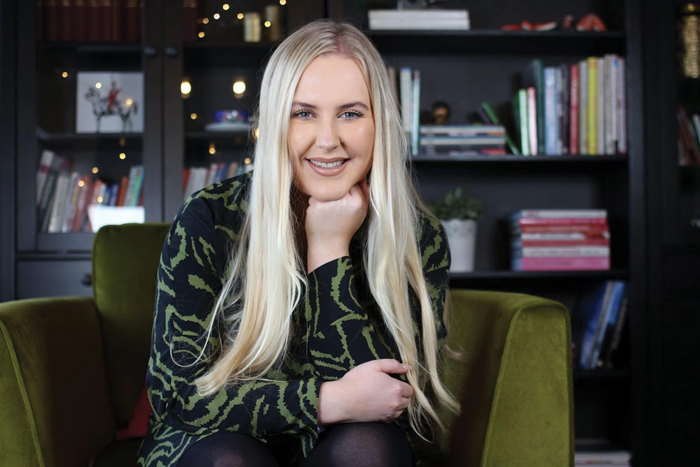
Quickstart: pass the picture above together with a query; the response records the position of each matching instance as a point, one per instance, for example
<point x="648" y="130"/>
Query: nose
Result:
<point x="327" y="137"/>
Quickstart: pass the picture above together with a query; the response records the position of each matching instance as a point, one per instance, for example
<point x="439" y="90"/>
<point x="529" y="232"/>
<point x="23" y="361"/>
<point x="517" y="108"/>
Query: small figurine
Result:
<point x="441" y="113"/>
<point x="590" y="22"/>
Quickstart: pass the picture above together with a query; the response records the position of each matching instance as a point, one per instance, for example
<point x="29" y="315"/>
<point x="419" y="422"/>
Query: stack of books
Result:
<point x="457" y="140"/>
<point x="597" y="324"/>
<point x="559" y="240"/>
<point x="444" y="20"/>
<point x="572" y="109"/>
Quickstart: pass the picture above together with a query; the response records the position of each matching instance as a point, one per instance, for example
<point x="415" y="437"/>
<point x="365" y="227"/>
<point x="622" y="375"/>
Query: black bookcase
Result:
<point x="465" y="68"/>
<point x="674" y="246"/>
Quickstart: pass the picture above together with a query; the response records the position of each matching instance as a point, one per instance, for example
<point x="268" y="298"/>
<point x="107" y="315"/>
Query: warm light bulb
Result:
<point x="100" y="199"/>
<point x="283" y="2"/>
<point x="201" y="34"/>
<point x="64" y="74"/>
<point x="81" y="183"/>
<point x="185" y="88"/>
<point x="256" y="133"/>
<point x="239" y="88"/>
<point x="268" y="24"/>
<point x="122" y="156"/>
<point x="193" y="116"/>
<point x="205" y="21"/>
<point x="95" y="170"/>
<point x="212" y="149"/>
<point x="217" y="16"/>
<point x="240" y="16"/>
<point x="98" y="85"/>
<point x="129" y="102"/>
<point x="247" y="161"/>
<point x="225" y="6"/>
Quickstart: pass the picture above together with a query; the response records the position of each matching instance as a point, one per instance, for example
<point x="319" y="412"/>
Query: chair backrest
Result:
<point x="124" y="265"/>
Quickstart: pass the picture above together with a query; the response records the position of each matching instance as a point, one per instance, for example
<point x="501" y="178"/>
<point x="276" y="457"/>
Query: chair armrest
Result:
<point x="513" y="379"/>
<point x="54" y="408"/>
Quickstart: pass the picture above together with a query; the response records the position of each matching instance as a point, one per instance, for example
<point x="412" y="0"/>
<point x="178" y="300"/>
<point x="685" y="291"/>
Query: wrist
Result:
<point x="319" y="255"/>
<point x="330" y="404"/>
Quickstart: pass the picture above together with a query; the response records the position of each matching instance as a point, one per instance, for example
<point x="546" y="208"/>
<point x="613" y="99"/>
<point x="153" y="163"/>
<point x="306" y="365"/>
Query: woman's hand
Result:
<point x="367" y="393"/>
<point x="330" y="225"/>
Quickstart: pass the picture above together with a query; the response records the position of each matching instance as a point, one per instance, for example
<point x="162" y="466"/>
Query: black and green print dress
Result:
<point x="336" y="327"/>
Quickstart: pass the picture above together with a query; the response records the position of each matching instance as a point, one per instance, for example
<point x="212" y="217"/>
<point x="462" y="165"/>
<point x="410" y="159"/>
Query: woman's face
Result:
<point x="331" y="130"/>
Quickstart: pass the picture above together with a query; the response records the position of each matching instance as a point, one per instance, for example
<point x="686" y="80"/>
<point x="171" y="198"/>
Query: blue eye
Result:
<point x="350" y="114"/>
<point x="302" y="114"/>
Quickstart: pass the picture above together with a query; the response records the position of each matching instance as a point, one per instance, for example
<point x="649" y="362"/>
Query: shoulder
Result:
<point x="432" y="241"/>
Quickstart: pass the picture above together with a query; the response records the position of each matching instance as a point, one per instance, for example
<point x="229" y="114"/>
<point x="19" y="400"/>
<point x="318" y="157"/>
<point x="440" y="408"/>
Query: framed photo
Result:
<point x="109" y="102"/>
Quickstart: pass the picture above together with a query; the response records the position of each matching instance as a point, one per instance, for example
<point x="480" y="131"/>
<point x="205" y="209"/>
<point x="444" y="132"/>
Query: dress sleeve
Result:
<point x="188" y="282"/>
<point x="435" y="259"/>
<point x="341" y="334"/>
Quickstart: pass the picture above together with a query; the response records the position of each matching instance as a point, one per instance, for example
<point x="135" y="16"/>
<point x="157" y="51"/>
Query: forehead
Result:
<point x="332" y="76"/>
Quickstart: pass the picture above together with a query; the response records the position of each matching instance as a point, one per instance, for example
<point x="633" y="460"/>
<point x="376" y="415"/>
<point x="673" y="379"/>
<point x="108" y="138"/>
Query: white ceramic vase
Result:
<point x="461" y="236"/>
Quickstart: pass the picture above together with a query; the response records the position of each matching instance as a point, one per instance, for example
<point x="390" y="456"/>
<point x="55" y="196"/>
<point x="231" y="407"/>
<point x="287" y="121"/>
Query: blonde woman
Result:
<point x="299" y="309"/>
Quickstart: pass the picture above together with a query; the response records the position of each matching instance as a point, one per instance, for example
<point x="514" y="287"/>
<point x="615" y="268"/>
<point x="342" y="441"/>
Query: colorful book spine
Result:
<point x="592" y="105"/>
<point x="551" y="117"/>
<point x="574" y="109"/>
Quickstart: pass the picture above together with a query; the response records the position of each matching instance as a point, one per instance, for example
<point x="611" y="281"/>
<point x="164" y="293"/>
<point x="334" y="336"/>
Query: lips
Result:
<point x="327" y="167"/>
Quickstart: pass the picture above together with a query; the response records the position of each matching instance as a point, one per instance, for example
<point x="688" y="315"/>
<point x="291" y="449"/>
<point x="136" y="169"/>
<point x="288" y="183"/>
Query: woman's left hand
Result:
<point x="330" y="225"/>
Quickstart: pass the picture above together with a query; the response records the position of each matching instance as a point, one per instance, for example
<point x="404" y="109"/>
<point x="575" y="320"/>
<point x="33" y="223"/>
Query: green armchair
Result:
<point x="72" y="369"/>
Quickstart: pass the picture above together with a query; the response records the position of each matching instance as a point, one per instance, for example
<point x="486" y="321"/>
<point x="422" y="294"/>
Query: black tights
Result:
<point x="351" y="445"/>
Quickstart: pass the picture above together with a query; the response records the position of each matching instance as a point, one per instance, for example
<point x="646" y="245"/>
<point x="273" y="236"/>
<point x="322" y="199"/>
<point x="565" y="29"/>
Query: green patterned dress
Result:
<point x="336" y="327"/>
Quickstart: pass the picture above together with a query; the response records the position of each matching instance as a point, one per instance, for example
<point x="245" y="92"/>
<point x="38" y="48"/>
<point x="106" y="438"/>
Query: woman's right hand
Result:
<point x="367" y="393"/>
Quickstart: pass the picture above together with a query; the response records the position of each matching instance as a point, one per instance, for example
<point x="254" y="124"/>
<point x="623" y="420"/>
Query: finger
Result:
<point x="406" y="390"/>
<point x="391" y="366"/>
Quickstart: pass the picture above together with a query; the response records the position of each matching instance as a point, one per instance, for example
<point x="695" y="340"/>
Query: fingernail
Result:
<point x="405" y="367"/>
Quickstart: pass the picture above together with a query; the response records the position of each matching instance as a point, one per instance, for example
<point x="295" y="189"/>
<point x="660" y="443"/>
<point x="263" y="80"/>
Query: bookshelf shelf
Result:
<point x="538" y="275"/>
<point x="70" y="138"/>
<point x="499" y="42"/>
<point x="91" y="47"/>
<point x="515" y="159"/>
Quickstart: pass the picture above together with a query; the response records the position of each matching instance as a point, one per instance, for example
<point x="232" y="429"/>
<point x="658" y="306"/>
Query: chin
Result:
<point x="333" y="193"/>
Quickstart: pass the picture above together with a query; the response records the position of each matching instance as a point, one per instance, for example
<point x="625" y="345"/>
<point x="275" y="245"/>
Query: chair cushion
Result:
<point x="124" y="266"/>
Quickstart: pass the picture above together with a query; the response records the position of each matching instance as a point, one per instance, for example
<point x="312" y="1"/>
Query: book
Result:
<point x="534" y="122"/>
<point x="418" y="19"/>
<point x="580" y="263"/>
<point x="551" y="118"/>
<point x="415" y="116"/>
<point x="520" y="116"/>
<point x="592" y="102"/>
<point x="533" y="76"/>
<point x="583" y="107"/>
<point x="559" y="213"/>
<point x="574" y="109"/>
<point x="493" y="119"/>
<point x="608" y="323"/>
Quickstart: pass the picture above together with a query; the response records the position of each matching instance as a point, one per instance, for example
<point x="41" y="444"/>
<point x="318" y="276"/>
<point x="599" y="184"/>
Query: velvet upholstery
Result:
<point x="71" y="368"/>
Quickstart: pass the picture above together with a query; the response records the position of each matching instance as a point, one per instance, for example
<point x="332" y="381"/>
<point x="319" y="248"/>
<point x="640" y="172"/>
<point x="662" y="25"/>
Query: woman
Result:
<point x="299" y="308"/>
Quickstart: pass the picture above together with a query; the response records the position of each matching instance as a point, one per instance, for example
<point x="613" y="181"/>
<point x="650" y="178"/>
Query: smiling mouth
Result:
<point x="327" y="165"/>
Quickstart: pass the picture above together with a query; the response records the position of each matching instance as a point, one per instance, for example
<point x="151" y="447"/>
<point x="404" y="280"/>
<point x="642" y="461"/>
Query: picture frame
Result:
<point x="109" y="102"/>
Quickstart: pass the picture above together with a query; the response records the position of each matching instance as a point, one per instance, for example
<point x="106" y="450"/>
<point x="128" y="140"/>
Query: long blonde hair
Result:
<point x="266" y="251"/>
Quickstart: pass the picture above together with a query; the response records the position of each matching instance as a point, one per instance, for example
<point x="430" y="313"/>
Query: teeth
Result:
<point x="326" y="165"/>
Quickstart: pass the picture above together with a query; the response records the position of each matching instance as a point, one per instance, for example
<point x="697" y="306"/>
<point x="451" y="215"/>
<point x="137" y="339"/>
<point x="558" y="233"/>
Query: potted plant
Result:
<point x="459" y="216"/>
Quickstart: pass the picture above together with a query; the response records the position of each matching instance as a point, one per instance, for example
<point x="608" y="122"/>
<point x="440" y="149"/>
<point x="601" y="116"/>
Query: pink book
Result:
<point x="566" y="264"/>
<point x="585" y="242"/>
<point x="562" y="221"/>
<point x="573" y="109"/>
<point x="532" y="119"/>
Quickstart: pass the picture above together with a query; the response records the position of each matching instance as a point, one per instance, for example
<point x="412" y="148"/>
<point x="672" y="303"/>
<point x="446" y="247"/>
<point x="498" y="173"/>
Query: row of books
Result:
<point x="456" y="140"/>
<point x="64" y="195"/>
<point x="431" y="19"/>
<point x="196" y="178"/>
<point x="559" y="240"/>
<point x="102" y="20"/>
<point x="572" y="109"/>
<point x="597" y="323"/>
<point x="407" y="94"/>
<point x="688" y="138"/>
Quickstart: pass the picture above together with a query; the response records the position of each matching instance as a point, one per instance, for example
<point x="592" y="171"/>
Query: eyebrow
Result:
<point x="340" y="107"/>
